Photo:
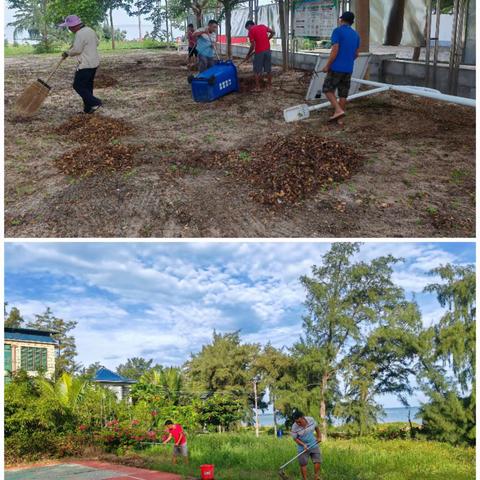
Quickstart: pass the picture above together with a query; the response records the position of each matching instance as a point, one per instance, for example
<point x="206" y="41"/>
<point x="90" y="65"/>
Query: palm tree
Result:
<point x="67" y="390"/>
<point x="164" y="385"/>
<point x="30" y="17"/>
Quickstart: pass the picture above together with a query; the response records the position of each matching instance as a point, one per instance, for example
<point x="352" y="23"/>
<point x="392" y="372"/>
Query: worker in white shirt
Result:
<point x="85" y="49"/>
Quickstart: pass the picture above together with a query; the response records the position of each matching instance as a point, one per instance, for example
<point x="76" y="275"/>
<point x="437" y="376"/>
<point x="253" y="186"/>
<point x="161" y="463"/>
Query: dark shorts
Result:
<point x="180" y="451"/>
<point x="262" y="62"/>
<point x="192" y="51"/>
<point x="313" y="453"/>
<point x="204" y="63"/>
<point x="337" y="81"/>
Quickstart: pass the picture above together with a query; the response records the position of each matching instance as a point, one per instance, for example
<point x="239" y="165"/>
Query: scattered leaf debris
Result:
<point x="103" y="80"/>
<point x="85" y="160"/>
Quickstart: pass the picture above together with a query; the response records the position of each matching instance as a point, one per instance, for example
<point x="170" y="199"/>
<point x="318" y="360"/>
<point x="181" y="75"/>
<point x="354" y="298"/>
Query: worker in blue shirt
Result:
<point x="339" y="67"/>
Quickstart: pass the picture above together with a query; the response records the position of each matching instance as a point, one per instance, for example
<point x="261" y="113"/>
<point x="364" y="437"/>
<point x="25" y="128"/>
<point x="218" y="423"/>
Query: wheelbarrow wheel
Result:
<point x="190" y="78"/>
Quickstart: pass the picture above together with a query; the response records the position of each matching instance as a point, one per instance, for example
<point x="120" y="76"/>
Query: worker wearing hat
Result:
<point x="339" y="67"/>
<point x="84" y="48"/>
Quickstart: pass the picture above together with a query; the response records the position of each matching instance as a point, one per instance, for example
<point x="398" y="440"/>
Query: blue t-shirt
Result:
<point x="348" y="41"/>
<point x="205" y="44"/>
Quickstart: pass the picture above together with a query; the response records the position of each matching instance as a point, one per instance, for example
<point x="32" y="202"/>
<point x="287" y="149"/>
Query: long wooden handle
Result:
<point x="55" y="69"/>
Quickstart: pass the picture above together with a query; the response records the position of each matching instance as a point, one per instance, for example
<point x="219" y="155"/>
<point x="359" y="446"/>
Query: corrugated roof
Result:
<point x="28" y="335"/>
<point x="105" y="375"/>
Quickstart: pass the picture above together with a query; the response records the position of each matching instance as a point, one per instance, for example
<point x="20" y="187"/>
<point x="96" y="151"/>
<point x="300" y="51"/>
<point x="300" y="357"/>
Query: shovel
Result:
<point x="34" y="95"/>
<point x="281" y="471"/>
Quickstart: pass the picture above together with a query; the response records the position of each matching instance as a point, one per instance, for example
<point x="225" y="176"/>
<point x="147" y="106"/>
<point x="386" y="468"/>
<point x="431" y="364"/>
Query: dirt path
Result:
<point x="417" y="178"/>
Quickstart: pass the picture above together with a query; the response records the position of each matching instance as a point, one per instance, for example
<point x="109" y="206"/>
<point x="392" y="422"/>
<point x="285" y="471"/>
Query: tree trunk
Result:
<point x="363" y="23"/>
<point x="394" y="31"/>
<point x="112" y="29"/>
<point x="323" y="407"/>
<point x="198" y="15"/>
<point x="228" y="30"/>
<point x="166" y="20"/>
<point x="139" y="27"/>
<point x="250" y="9"/>
<point x="257" y="433"/>
<point x="283" y="33"/>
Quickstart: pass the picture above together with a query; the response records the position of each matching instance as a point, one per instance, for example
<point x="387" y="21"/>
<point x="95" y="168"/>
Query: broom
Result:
<point x="34" y="95"/>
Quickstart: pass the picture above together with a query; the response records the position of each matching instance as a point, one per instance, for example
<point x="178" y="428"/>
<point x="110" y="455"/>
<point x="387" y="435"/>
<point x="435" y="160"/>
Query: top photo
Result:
<point x="239" y="119"/>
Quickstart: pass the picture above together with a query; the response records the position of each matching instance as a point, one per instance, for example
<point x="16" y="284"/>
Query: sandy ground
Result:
<point x="417" y="178"/>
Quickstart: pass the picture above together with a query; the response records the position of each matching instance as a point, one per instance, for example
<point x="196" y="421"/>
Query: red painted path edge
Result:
<point x="133" y="472"/>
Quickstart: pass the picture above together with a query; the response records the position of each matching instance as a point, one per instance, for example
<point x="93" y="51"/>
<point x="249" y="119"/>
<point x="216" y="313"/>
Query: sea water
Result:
<point x="399" y="414"/>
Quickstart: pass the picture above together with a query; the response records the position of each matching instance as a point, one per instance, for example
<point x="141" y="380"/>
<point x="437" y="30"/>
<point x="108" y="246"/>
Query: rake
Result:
<point x="34" y="95"/>
<point x="281" y="471"/>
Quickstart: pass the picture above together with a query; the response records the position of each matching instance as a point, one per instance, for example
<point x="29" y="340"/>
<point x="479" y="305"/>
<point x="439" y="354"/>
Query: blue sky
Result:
<point x="163" y="300"/>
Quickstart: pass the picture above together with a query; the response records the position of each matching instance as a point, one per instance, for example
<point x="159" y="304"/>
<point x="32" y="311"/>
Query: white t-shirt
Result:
<point x="85" y="48"/>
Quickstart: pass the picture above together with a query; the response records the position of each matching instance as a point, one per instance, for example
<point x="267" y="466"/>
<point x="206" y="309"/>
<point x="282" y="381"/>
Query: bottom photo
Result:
<point x="239" y="360"/>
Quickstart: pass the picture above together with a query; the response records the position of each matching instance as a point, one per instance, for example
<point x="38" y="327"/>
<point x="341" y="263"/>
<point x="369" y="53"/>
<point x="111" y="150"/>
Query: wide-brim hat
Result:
<point x="71" y="21"/>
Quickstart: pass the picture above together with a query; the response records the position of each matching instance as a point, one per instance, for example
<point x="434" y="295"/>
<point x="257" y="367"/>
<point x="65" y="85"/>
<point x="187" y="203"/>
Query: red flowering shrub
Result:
<point x="125" y="434"/>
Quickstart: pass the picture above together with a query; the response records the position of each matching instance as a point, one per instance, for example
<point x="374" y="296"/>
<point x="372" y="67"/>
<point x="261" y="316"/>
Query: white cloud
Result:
<point x="166" y="299"/>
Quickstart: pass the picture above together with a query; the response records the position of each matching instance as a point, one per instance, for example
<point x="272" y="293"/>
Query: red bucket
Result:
<point x="207" y="472"/>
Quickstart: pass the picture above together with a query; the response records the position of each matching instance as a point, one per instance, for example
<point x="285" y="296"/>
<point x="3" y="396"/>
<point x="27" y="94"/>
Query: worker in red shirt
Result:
<point x="260" y="36"/>
<point x="175" y="432"/>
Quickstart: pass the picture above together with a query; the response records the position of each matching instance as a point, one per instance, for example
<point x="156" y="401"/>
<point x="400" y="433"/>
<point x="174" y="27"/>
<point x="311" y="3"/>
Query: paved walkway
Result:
<point x="87" y="470"/>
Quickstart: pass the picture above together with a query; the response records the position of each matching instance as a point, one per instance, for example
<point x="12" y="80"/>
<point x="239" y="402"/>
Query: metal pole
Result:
<point x="257" y="433"/>
<point x="451" y="63"/>
<point x="427" y="44"/>
<point x="436" y="40"/>
<point x="460" y="43"/>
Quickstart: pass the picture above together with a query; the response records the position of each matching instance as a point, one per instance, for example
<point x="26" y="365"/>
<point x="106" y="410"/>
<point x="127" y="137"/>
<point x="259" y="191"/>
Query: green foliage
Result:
<point x="32" y="420"/>
<point x="30" y="18"/>
<point x="134" y="368"/>
<point x="221" y="411"/>
<point x="450" y="418"/>
<point x="226" y="366"/>
<point x="345" y="300"/>
<point x="92" y="12"/>
<point x="450" y="413"/>
<point x="161" y="387"/>
<point x="67" y="350"/>
<point x="12" y="318"/>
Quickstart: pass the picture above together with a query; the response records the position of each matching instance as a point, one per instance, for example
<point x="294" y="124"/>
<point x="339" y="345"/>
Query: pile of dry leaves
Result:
<point x="99" y="150"/>
<point x="85" y="160"/>
<point x="288" y="169"/>
<point x="94" y="129"/>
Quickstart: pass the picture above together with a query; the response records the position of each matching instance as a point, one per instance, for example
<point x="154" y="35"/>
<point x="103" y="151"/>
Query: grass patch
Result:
<point x="105" y="46"/>
<point x="244" y="457"/>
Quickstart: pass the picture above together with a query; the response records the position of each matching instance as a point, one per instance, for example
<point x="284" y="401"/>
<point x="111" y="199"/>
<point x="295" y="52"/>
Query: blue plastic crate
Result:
<point x="215" y="82"/>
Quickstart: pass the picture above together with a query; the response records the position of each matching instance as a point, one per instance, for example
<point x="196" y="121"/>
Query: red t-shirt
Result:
<point x="176" y="432"/>
<point x="259" y="35"/>
<point x="191" y="40"/>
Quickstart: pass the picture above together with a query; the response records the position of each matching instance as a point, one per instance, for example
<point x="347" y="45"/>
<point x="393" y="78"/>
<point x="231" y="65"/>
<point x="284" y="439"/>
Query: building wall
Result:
<point x="16" y="355"/>
<point x="122" y="392"/>
<point x="385" y="68"/>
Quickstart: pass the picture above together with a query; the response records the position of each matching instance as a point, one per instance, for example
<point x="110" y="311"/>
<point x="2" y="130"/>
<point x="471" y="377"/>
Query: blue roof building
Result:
<point x="29" y="349"/>
<point x="114" y="382"/>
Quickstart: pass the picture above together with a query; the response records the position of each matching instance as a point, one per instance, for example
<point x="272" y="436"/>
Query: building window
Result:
<point x="33" y="358"/>
<point x="7" y="359"/>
